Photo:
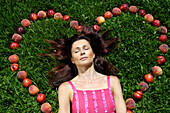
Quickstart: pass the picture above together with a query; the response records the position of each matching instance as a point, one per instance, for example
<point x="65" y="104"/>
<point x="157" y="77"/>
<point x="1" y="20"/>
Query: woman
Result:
<point x="87" y="82"/>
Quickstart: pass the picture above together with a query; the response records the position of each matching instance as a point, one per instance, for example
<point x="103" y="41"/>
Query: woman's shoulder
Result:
<point x="114" y="80"/>
<point x="65" y="86"/>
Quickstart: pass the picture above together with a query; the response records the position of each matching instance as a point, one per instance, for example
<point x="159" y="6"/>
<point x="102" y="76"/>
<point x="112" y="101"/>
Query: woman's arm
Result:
<point x="64" y="98"/>
<point x="118" y="96"/>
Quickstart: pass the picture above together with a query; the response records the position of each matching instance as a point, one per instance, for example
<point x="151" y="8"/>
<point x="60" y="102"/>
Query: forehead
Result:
<point x="80" y="43"/>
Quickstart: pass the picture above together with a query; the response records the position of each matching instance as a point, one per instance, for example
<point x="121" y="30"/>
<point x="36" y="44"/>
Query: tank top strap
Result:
<point x="72" y="85"/>
<point x="108" y="81"/>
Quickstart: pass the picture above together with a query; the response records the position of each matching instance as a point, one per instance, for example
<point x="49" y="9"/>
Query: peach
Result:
<point x="25" y="23"/>
<point x="133" y="9"/>
<point x="21" y="75"/>
<point x="162" y="29"/>
<point x="149" y="18"/>
<point x="46" y="108"/>
<point x="41" y="14"/>
<point x="100" y="19"/>
<point x="16" y="37"/>
<point x="156" y="70"/>
<point x="58" y="16"/>
<point x="116" y="11"/>
<point x="13" y="58"/>
<point x="33" y="90"/>
<point x="163" y="48"/>
<point x="130" y="103"/>
<point x="144" y="85"/>
<point x="74" y="23"/>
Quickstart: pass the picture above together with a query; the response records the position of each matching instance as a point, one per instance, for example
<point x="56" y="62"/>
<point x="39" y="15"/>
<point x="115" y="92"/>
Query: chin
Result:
<point x="86" y="64"/>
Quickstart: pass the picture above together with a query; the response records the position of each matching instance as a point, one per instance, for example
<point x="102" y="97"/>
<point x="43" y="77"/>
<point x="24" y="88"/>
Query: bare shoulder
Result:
<point x="114" y="82"/>
<point x="114" y="79"/>
<point x="65" y="87"/>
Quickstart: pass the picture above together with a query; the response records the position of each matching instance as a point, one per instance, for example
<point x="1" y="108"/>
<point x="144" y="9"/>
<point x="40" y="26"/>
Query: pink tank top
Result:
<point x="93" y="101"/>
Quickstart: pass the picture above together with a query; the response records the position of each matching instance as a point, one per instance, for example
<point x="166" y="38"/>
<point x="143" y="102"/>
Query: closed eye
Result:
<point x="85" y="47"/>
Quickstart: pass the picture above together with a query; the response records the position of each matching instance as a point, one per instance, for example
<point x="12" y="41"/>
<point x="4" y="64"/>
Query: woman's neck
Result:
<point x="87" y="73"/>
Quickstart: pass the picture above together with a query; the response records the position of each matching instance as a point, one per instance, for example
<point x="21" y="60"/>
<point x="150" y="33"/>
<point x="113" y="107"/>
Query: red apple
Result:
<point x="33" y="90"/>
<point x="50" y="13"/>
<point x="137" y="95"/>
<point x="13" y="58"/>
<point x="78" y="28"/>
<point x="16" y="37"/>
<point x="107" y="14"/>
<point x="14" y="45"/>
<point x="142" y="12"/>
<point x="20" y="30"/>
<point x="66" y="18"/>
<point x="100" y="19"/>
<point x="161" y="60"/>
<point x="156" y="23"/>
<point x="14" y="67"/>
<point x="149" y="18"/>
<point x="162" y="29"/>
<point x="133" y="9"/>
<point x="26" y="82"/>
<point x="116" y="11"/>
<point x="96" y="27"/>
<point x="156" y="70"/>
<point x="42" y="14"/>
<point x="41" y="98"/>
<point x="144" y="85"/>
<point x="148" y="78"/>
<point x="129" y="111"/>
<point x="46" y="108"/>
<point x="163" y="38"/>
<point x="58" y="16"/>
<point x="33" y="17"/>
<point x="25" y="23"/>
<point x="21" y="75"/>
<point x="163" y="48"/>
<point x="124" y="7"/>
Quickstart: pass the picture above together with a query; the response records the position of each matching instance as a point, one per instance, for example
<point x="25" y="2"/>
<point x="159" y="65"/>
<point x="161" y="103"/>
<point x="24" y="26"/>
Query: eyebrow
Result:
<point x="82" y="46"/>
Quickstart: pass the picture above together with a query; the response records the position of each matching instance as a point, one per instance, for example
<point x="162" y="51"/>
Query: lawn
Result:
<point x="134" y="57"/>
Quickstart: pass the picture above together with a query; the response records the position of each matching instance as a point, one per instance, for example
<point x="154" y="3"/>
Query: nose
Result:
<point x="82" y="52"/>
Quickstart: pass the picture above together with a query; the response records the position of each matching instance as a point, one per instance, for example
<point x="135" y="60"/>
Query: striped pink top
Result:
<point x="93" y="101"/>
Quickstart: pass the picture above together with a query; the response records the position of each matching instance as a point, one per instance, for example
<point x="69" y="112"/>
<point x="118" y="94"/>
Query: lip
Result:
<point x="83" y="58"/>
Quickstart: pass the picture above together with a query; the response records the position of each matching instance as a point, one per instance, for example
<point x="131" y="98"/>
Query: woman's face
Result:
<point x="82" y="53"/>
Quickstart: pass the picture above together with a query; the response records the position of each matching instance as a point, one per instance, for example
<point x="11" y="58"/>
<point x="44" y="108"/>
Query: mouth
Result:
<point x="83" y="58"/>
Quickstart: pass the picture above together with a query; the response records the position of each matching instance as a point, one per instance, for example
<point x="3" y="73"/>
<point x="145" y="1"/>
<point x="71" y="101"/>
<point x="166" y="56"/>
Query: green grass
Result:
<point x="134" y="57"/>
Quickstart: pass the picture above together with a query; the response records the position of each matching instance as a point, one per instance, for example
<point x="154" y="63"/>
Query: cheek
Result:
<point x="74" y="58"/>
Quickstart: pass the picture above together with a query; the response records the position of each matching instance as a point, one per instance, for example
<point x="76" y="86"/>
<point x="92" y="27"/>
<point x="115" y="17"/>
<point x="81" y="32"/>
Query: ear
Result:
<point x="93" y="56"/>
<point x="72" y="60"/>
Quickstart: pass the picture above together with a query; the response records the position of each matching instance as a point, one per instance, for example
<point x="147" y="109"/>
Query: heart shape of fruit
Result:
<point x="34" y="90"/>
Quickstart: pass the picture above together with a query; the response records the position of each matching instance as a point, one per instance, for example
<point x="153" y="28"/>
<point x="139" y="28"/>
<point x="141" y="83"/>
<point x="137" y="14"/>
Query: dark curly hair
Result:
<point x="61" y="50"/>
